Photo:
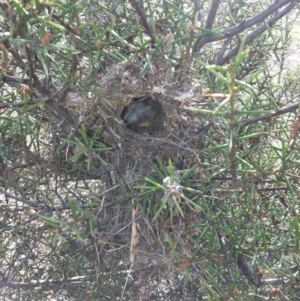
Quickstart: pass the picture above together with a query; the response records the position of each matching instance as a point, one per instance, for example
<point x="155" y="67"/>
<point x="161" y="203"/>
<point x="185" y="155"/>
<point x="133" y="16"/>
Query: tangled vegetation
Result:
<point x="149" y="150"/>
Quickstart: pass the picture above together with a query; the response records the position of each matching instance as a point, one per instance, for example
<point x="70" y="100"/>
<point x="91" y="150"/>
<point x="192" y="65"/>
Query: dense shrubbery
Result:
<point x="206" y="208"/>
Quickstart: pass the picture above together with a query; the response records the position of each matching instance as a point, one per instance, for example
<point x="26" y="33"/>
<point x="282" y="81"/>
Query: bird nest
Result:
<point x="141" y="119"/>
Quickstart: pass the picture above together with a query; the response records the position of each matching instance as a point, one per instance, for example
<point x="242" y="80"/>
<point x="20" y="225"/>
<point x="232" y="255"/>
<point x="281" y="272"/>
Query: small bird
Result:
<point x="144" y="115"/>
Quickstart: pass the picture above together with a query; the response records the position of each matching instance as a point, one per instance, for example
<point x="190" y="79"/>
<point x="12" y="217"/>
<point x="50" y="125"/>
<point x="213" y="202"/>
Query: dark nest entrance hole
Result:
<point x="144" y="115"/>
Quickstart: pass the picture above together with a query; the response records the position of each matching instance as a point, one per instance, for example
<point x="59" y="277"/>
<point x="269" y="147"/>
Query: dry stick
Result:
<point x="24" y="201"/>
<point x="15" y="54"/>
<point x="61" y="111"/>
<point x="52" y="103"/>
<point x="46" y="208"/>
<point x="20" y="104"/>
<point x="209" y="22"/>
<point x="256" y="33"/>
<point x="35" y="283"/>
<point x="242" y="263"/>
<point x="14" y="81"/>
<point x="288" y="109"/>
<point x="222" y="50"/>
<point x="20" y="225"/>
<point x="242" y="26"/>
<point x="247" y="271"/>
<point x="33" y="245"/>
<point x="134" y="241"/>
<point x="224" y="251"/>
<point x="254" y="20"/>
<point x="142" y="18"/>
<point x="212" y="14"/>
<point x="65" y="25"/>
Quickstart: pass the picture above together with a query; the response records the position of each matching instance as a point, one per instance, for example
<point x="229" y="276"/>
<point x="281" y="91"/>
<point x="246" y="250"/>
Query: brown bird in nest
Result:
<point x="144" y="115"/>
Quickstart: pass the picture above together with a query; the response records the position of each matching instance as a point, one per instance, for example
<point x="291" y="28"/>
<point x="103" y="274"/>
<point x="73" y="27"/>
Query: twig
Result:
<point x="35" y="283"/>
<point x="33" y="245"/>
<point x="14" y="81"/>
<point x="256" y="33"/>
<point x="22" y="200"/>
<point x="21" y="104"/>
<point x="289" y="109"/>
<point x="126" y="282"/>
<point x="247" y="271"/>
<point x="224" y="252"/>
<point x="242" y="26"/>
<point x="212" y="13"/>
<point x="143" y="20"/>
<point x="16" y="55"/>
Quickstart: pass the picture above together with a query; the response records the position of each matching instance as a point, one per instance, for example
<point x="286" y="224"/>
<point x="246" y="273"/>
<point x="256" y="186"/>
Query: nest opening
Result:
<point x="144" y="115"/>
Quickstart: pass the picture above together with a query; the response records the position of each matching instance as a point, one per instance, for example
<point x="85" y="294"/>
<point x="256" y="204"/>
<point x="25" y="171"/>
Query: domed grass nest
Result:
<point x="141" y="120"/>
<point x="144" y="123"/>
